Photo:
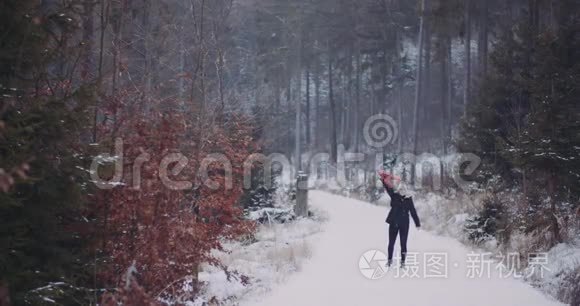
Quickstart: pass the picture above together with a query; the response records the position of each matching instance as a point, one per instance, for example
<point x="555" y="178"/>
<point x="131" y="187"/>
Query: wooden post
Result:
<point x="301" y="208"/>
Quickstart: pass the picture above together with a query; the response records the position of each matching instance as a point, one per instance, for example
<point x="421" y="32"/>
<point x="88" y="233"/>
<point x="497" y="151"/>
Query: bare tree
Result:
<point x="419" y="82"/>
<point x="467" y="86"/>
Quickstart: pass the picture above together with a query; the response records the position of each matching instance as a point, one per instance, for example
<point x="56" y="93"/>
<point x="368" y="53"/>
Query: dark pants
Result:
<point x="403" y="231"/>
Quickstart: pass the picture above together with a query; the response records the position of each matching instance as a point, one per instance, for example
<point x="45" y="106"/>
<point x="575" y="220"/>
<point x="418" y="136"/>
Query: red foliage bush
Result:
<point x="165" y="234"/>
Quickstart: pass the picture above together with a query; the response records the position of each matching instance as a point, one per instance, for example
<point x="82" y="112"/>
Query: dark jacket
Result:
<point x="401" y="207"/>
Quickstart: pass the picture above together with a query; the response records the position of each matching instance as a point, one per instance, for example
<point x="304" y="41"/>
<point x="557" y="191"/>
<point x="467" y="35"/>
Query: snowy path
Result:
<point x="332" y="277"/>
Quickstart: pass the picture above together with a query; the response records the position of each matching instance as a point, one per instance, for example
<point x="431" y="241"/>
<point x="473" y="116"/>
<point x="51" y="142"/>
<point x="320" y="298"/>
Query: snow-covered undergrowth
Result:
<point x="448" y="216"/>
<point x="562" y="279"/>
<point x="277" y="251"/>
<point x="282" y="245"/>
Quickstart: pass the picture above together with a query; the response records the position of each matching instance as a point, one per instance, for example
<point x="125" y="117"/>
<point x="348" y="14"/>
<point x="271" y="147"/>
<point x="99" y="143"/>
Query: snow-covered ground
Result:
<point x="447" y="216"/>
<point x="279" y="250"/>
<point x="332" y="276"/>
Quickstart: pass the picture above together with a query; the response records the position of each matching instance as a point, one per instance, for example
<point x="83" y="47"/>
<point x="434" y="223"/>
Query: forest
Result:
<point x="96" y="94"/>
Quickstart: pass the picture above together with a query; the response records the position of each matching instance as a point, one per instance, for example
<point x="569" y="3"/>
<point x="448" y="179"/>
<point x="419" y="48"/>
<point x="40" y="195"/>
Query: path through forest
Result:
<point x="332" y="276"/>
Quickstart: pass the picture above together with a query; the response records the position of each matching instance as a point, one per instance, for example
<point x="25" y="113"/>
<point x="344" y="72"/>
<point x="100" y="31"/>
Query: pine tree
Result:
<point x="525" y="123"/>
<point x="43" y="234"/>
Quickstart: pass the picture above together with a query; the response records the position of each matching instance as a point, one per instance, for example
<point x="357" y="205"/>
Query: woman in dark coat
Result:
<point x="398" y="219"/>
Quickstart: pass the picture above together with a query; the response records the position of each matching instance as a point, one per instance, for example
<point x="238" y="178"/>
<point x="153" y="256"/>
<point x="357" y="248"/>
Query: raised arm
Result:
<point x="387" y="181"/>
<point x="390" y="190"/>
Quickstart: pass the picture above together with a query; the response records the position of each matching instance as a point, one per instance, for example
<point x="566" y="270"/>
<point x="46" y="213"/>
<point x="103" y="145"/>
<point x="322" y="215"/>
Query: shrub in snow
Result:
<point x="488" y="223"/>
<point x="269" y="215"/>
<point x="561" y="276"/>
<point x="277" y="251"/>
<point x="261" y="193"/>
<point x="166" y="234"/>
<point x="569" y="287"/>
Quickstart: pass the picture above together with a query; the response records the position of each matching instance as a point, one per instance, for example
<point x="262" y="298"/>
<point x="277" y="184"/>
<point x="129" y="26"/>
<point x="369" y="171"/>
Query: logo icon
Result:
<point x="372" y="264"/>
<point x="380" y="130"/>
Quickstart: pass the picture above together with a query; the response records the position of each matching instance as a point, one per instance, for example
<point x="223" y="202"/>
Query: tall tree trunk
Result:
<point x="118" y="41"/>
<point x="555" y="226"/>
<point x="277" y="100"/>
<point x="418" y="86"/>
<point x="308" y="136"/>
<point x="445" y="101"/>
<point x="384" y="74"/>
<point x="555" y="15"/>
<point x="181" y="83"/>
<point x="297" y="132"/>
<point x="450" y="92"/>
<point x="444" y="96"/>
<point x="483" y="39"/>
<point x="371" y="84"/>
<point x="426" y="88"/>
<point x="104" y="6"/>
<point x="317" y="129"/>
<point x="88" y="40"/>
<point x="289" y="97"/>
<point x="202" y="57"/>
<point x="348" y="111"/>
<point x="398" y="63"/>
<point x="534" y="7"/>
<point x="298" y="101"/>
<point x="220" y="70"/>
<point x="117" y="56"/>
<point x="147" y="54"/>
<point x="357" y="109"/>
<point x="467" y="86"/>
<point x="333" y="123"/>
<point x="342" y="109"/>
